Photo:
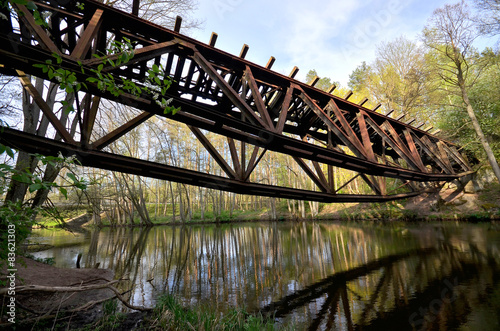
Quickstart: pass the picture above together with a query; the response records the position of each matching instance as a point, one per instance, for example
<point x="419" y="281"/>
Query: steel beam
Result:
<point x="108" y="161"/>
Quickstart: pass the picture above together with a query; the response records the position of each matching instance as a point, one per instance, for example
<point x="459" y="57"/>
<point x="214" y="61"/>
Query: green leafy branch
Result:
<point x="156" y="81"/>
<point x="34" y="182"/>
<point x="40" y="17"/>
<point x="17" y="218"/>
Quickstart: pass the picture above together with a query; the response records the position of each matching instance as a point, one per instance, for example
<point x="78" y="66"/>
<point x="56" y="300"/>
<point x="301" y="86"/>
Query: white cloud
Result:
<point x="332" y="36"/>
<point x="335" y="38"/>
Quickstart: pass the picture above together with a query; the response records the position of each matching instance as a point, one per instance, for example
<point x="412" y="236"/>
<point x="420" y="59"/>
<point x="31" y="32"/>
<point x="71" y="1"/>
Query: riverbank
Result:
<point x="49" y="303"/>
<point x="45" y="305"/>
<point x="448" y="204"/>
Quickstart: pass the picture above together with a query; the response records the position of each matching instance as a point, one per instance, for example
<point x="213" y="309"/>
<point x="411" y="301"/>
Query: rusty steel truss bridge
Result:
<point x="216" y="92"/>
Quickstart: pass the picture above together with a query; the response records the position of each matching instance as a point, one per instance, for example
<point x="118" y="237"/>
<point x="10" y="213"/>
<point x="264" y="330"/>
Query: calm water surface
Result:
<point x="319" y="275"/>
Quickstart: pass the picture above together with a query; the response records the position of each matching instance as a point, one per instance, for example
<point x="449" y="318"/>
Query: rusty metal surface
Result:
<point x="224" y="94"/>
<point x="92" y="158"/>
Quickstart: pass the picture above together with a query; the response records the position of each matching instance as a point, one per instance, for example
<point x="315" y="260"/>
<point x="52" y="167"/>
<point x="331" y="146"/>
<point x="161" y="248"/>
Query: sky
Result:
<point x="333" y="37"/>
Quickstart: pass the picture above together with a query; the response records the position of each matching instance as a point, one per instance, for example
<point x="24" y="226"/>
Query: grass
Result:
<point x="490" y="194"/>
<point x="209" y="217"/>
<point x="169" y="314"/>
<point x="65" y="212"/>
<point x="111" y="320"/>
<point x="45" y="260"/>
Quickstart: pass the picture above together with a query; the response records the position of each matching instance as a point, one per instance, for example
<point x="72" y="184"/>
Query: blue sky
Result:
<point x="333" y="37"/>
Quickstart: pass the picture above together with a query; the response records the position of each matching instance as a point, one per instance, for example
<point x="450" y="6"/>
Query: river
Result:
<point x="316" y="275"/>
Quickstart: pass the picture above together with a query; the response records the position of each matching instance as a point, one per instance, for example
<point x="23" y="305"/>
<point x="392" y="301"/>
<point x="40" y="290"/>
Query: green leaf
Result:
<point x="2" y="148"/>
<point x="22" y="177"/>
<point x="9" y="151"/>
<point x="124" y="57"/>
<point x="63" y="192"/>
<point x="69" y="109"/>
<point x="72" y="177"/>
<point x="31" y="5"/>
<point x="35" y="187"/>
<point x="6" y="168"/>
<point x="71" y="78"/>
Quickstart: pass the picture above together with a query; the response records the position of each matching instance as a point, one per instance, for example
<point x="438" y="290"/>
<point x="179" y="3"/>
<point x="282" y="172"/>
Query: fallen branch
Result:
<point x="41" y="288"/>
<point x="74" y="289"/>
<point x="128" y="305"/>
<point x="66" y="289"/>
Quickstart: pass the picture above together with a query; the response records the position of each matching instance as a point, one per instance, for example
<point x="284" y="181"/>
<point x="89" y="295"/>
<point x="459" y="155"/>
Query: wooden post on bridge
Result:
<point x="135" y="7"/>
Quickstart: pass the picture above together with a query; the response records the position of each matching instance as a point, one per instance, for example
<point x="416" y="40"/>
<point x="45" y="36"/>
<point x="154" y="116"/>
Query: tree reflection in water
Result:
<point x="316" y="275"/>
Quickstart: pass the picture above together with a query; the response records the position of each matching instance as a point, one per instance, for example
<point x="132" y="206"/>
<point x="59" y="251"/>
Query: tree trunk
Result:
<point x="480" y="134"/>
<point x="172" y="197"/>
<point x="96" y="212"/>
<point x="138" y="201"/>
<point x="181" y="204"/>
<point x="302" y="209"/>
<point x="202" y="204"/>
<point x="272" y="202"/>
<point x="31" y="112"/>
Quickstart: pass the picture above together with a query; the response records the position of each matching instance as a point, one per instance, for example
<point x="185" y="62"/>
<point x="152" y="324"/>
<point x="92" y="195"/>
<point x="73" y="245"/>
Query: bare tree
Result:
<point x="489" y="19"/>
<point x="163" y="12"/>
<point x="450" y="33"/>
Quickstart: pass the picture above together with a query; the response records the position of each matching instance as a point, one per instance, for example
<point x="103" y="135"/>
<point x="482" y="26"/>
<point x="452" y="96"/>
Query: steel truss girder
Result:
<point x="239" y="99"/>
<point x="108" y="161"/>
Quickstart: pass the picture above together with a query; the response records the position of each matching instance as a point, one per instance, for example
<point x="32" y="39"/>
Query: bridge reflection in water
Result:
<point x="318" y="276"/>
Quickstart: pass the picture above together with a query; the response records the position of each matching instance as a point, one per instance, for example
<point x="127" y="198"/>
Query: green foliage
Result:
<point x="15" y="225"/>
<point x="358" y="79"/>
<point x="169" y="314"/>
<point x="33" y="179"/>
<point x="17" y="218"/>
<point x="397" y="79"/>
<point x="31" y="6"/>
<point x="323" y="83"/>
<point x="45" y="260"/>
<point x="155" y="85"/>
<point x="476" y="217"/>
<point x="491" y="194"/>
<point x="409" y="215"/>
<point x="111" y="320"/>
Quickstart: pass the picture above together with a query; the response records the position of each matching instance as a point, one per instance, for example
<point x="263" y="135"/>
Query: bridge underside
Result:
<point x="257" y="109"/>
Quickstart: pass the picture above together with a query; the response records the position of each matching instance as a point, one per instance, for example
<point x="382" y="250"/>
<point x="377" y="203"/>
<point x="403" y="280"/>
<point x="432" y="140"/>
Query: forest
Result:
<point x="441" y="82"/>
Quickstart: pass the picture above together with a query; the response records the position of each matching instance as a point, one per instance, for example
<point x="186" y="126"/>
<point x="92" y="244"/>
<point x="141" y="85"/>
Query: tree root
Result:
<point x="43" y="315"/>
